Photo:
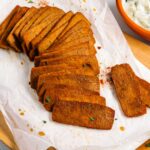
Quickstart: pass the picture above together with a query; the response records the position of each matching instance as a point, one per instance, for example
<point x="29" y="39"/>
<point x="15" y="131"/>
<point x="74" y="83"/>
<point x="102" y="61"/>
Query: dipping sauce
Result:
<point x="138" y="11"/>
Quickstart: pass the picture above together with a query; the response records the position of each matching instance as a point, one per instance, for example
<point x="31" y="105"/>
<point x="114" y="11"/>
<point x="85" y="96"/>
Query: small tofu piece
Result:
<point x="5" y="23"/>
<point x="83" y="114"/>
<point x="79" y="50"/>
<point x="144" y="146"/>
<point x="86" y="82"/>
<point x="56" y="31"/>
<point x="144" y="87"/>
<point x="59" y="92"/>
<point x="36" y="30"/>
<point x="75" y="19"/>
<point x="19" y="14"/>
<point x="57" y="70"/>
<point x="85" y="61"/>
<point x="127" y="90"/>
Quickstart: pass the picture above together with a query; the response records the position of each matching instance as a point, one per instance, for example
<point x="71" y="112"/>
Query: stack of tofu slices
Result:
<point x="66" y="70"/>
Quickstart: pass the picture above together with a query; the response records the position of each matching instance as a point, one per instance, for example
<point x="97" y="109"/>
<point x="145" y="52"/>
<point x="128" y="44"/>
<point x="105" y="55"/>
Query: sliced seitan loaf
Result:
<point x="56" y="31"/>
<point x="74" y="61"/>
<point x="58" y="70"/>
<point x="86" y="82"/>
<point x="79" y="50"/>
<point x="83" y="114"/>
<point x="70" y="93"/>
<point x="5" y="23"/>
<point x="36" y="30"/>
<point x="21" y="11"/>
<point x="11" y="39"/>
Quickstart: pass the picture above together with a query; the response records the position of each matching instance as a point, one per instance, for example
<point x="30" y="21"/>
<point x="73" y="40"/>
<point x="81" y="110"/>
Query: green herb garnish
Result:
<point x="147" y="145"/>
<point x="48" y="99"/>
<point x="92" y="118"/>
<point x="30" y="1"/>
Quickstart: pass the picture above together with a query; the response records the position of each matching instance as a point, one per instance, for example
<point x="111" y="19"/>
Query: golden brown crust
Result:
<point x="127" y="90"/>
<point x="83" y="114"/>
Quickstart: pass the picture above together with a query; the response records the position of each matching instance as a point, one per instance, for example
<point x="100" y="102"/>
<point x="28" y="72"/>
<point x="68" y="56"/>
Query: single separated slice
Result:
<point x="83" y="114"/>
<point x="19" y="14"/>
<point x="70" y="93"/>
<point x="86" y="82"/>
<point x="127" y="90"/>
<point x="56" y="31"/>
<point x="5" y="23"/>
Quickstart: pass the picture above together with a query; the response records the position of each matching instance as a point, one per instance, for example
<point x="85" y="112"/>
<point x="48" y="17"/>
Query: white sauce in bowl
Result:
<point x="138" y="11"/>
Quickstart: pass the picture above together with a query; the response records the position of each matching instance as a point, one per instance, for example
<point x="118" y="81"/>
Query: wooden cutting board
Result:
<point x="140" y="50"/>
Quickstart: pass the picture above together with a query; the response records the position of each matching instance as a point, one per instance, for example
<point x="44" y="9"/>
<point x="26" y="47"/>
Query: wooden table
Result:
<point x="140" y="50"/>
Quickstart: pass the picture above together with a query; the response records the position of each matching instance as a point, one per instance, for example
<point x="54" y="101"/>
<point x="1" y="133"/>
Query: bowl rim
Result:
<point x="125" y="16"/>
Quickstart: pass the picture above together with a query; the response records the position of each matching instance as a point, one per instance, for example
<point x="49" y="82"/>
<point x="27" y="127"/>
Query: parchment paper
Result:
<point x="26" y="117"/>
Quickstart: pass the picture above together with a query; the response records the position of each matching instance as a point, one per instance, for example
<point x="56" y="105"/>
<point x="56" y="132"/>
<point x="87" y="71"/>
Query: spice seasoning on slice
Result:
<point x="41" y="133"/>
<point x="48" y="99"/>
<point x="91" y="118"/>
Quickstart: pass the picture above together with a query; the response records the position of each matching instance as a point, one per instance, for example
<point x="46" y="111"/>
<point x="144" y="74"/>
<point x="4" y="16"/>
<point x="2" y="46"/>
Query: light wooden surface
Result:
<point x="141" y="51"/>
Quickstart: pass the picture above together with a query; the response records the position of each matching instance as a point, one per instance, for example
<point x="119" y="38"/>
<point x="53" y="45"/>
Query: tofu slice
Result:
<point x="127" y="90"/>
<point x="19" y="14"/>
<point x="86" y="82"/>
<point x="83" y="114"/>
<point x="79" y="50"/>
<point x="11" y="39"/>
<point x="59" y="92"/>
<point x="57" y="70"/>
<point x="5" y="23"/>
<point x="56" y="31"/>
<point x="36" y="30"/>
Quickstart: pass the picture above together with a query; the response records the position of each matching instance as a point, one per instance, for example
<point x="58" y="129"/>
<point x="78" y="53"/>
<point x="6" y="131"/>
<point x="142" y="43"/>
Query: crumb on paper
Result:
<point x="122" y="128"/>
<point x="29" y="82"/>
<point x="31" y="129"/>
<point x="44" y="121"/>
<point x="116" y="119"/>
<point x="22" y="63"/>
<point x="102" y="81"/>
<point x="43" y="3"/>
<point x="19" y="109"/>
<point x="98" y="47"/>
<point x="94" y="9"/>
<point x="30" y="1"/>
<point x="84" y="1"/>
<point x="28" y="125"/>
<point x="21" y="113"/>
<point x="41" y="133"/>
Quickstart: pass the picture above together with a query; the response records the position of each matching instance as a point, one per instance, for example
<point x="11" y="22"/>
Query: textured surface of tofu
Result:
<point x="127" y="90"/>
<point x="83" y="114"/>
<point x="69" y="93"/>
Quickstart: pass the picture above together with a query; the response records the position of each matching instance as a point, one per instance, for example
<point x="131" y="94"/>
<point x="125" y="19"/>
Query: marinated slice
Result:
<point x="144" y="87"/>
<point x="59" y="92"/>
<point x="75" y="19"/>
<point x="26" y="19"/>
<point x="86" y="82"/>
<point x="32" y="20"/>
<point x="58" y="70"/>
<point x="19" y="14"/>
<point x="56" y="31"/>
<point x="127" y="90"/>
<point x="11" y="38"/>
<point x="36" y="30"/>
<point x="80" y="50"/>
<point x="84" y="62"/>
<point x="83" y="114"/>
<point x="5" y="23"/>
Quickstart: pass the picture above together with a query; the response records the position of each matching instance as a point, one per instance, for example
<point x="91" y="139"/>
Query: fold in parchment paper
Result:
<point x="32" y="126"/>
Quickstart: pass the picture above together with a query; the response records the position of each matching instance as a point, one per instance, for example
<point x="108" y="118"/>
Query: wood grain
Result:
<point x="140" y="50"/>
